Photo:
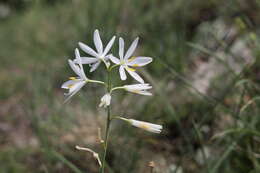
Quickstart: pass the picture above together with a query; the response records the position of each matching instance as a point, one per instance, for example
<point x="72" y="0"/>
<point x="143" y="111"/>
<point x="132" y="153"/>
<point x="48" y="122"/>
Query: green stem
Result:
<point x="106" y="140"/>
<point x="107" y="127"/>
<point x="96" y="81"/>
<point x="111" y="68"/>
<point x="117" y="88"/>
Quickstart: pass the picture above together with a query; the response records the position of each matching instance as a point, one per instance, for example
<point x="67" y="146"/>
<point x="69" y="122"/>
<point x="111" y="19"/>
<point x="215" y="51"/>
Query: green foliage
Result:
<point x="38" y="37"/>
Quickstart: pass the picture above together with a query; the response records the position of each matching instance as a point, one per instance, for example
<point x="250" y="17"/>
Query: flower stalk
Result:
<point x="126" y="62"/>
<point x="107" y="125"/>
<point x="96" y="81"/>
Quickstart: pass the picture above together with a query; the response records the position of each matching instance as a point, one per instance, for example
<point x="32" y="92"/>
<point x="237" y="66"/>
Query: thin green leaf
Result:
<point x="66" y="162"/>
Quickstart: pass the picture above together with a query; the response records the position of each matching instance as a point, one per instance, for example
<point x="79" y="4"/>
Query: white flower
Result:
<point x="97" y="56"/>
<point x="105" y="100"/>
<point x="155" y="128"/>
<point x="126" y="61"/>
<point x="75" y="83"/>
<point x="95" y="155"/>
<point x="139" y="88"/>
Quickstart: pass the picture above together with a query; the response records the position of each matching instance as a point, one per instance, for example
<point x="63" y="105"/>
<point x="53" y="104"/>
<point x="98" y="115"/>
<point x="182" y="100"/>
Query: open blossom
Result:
<point x="139" y="88"/>
<point x="96" y="56"/>
<point x="75" y="83"/>
<point x="125" y="61"/>
<point x="105" y="100"/>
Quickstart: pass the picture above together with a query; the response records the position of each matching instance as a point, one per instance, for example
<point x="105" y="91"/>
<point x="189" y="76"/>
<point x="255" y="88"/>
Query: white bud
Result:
<point x="105" y="100"/>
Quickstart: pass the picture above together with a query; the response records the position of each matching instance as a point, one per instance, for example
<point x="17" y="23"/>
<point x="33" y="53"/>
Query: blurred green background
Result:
<point x="205" y="78"/>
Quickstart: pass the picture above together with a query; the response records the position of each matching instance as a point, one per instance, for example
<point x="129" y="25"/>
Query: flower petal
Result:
<point x="139" y="61"/>
<point x="95" y="66"/>
<point x="77" y="55"/>
<point x="146" y="93"/>
<point x="122" y="73"/>
<point x="82" y="73"/>
<point x="87" y="60"/>
<point x="109" y="45"/>
<point x="87" y="49"/>
<point x="75" y="68"/>
<point x="155" y="128"/>
<point x="131" y="49"/>
<point x="98" y="42"/>
<point x="121" y="48"/>
<point x="114" y="59"/>
<point x="144" y="86"/>
<point x="135" y="76"/>
<point x="77" y="87"/>
<point x="139" y="89"/>
<point x="68" y="84"/>
<point x="74" y="87"/>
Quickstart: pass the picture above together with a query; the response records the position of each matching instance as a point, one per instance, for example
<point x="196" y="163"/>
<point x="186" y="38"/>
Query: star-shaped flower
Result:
<point x="75" y="83"/>
<point x="101" y="55"/>
<point x="125" y="61"/>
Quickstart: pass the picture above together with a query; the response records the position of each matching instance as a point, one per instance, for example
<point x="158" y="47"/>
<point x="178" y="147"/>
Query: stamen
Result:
<point x="144" y="126"/>
<point x="130" y="69"/>
<point x="136" y="91"/>
<point x="72" y="78"/>
<point x="70" y="86"/>
<point x="131" y="59"/>
<point x="135" y="65"/>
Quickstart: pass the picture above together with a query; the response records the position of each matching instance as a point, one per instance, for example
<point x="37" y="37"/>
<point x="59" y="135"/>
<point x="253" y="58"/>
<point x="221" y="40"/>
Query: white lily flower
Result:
<point x="99" y="55"/>
<point x="154" y="128"/>
<point x="139" y="88"/>
<point x="75" y="83"/>
<point x="126" y="61"/>
<point x="95" y="155"/>
<point x="105" y="100"/>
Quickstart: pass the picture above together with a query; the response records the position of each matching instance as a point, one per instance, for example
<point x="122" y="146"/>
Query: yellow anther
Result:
<point x="144" y="126"/>
<point x="135" y="65"/>
<point x="136" y="91"/>
<point x="130" y="69"/>
<point x="72" y="78"/>
<point x="131" y="59"/>
<point x="70" y="86"/>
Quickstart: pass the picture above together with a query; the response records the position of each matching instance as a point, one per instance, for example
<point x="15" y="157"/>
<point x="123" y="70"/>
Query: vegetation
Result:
<point x="205" y="76"/>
